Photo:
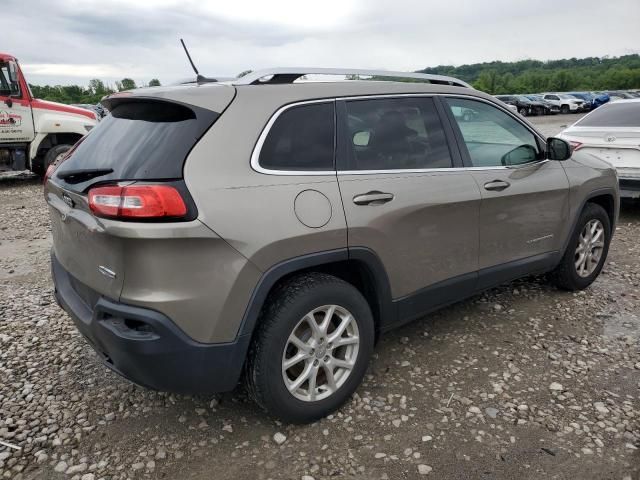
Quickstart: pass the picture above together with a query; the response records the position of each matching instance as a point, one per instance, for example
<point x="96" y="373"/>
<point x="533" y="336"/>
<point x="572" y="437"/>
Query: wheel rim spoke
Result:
<point x="341" y="328"/>
<point x="302" y="378"/>
<point x="315" y="328"/>
<point x="341" y="342"/>
<point x="302" y="346"/>
<point x="342" y="363"/>
<point x="295" y="360"/>
<point x="320" y="353"/>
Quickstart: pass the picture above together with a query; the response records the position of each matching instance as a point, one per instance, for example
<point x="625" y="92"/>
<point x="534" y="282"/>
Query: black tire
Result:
<point x="524" y="112"/>
<point x="54" y="153"/>
<point x="284" y="309"/>
<point x="565" y="275"/>
<point x="564" y="109"/>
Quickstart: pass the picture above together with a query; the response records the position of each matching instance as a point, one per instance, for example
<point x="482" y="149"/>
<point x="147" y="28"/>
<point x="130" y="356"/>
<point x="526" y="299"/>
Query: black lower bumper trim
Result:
<point x="146" y="347"/>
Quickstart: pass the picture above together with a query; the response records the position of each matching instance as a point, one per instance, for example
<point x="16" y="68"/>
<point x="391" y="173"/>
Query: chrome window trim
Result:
<point x="255" y="154"/>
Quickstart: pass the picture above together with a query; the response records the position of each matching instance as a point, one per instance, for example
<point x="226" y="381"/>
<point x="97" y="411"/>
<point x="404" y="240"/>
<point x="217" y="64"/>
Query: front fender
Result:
<point x="49" y="122"/>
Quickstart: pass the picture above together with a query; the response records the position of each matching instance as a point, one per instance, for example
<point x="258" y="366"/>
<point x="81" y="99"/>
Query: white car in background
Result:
<point x="612" y="132"/>
<point x="567" y="103"/>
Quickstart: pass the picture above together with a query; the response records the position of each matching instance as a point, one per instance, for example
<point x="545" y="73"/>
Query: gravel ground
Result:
<point x="524" y="381"/>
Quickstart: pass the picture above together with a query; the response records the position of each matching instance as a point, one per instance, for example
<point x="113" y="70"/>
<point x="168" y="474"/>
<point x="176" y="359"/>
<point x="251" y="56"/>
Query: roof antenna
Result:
<point x="199" y="78"/>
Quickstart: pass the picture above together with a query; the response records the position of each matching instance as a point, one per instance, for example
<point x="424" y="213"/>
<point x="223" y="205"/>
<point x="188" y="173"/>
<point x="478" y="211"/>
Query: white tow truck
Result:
<point x="34" y="133"/>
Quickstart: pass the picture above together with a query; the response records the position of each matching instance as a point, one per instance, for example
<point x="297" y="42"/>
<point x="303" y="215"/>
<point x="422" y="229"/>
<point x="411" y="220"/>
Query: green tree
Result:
<point x="154" y="82"/>
<point x="126" y="84"/>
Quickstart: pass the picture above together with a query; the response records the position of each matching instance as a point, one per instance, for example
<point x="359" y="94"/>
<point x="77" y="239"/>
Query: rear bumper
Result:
<point x="145" y="346"/>
<point x="629" y="187"/>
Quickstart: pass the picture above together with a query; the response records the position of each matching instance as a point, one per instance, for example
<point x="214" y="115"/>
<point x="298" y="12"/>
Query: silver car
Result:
<point x="612" y="133"/>
<point x="271" y="230"/>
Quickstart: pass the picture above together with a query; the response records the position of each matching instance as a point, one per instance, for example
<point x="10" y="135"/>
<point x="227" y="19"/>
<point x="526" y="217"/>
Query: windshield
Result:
<point x="522" y="98"/>
<point x="7" y="87"/>
<point x="567" y="97"/>
<point x="624" y="114"/>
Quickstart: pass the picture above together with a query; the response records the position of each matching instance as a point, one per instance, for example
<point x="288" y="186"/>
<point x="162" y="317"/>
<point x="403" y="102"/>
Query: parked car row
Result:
<point x="550" y="103"/>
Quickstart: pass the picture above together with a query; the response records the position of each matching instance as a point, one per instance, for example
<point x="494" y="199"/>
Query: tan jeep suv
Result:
<point x="271" y="229"/>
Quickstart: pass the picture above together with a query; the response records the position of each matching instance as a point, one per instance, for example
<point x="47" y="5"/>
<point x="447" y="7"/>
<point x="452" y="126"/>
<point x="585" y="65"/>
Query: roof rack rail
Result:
<point x="273" y="76"/>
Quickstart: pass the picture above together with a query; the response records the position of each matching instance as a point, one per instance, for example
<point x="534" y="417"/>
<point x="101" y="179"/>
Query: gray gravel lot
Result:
<point x="522" y="382"/>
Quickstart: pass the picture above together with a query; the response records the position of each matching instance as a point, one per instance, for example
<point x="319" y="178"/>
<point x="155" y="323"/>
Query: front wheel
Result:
<point x="524" y="112"/>
<point x="311" y="349"/>
<point x="564" y="109"/>
<point x="55" y="154"/>
<point x="587" y="250"/>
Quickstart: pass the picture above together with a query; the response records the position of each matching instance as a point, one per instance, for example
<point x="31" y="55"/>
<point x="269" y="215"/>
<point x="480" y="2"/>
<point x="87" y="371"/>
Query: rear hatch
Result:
<point x="618" y="146"/>
<point x="145" y="140"/>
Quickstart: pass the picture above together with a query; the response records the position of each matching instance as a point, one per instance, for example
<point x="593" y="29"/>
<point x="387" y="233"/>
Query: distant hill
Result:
<point x="531" y="76"/>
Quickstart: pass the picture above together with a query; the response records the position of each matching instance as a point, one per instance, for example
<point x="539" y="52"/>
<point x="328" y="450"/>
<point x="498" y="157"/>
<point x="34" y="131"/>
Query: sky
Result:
<point x="72" y="41"/>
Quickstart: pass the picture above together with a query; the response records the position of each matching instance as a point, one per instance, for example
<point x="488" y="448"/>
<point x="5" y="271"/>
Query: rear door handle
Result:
<point x="496" y="185"/>
<point x="373" y="198"/>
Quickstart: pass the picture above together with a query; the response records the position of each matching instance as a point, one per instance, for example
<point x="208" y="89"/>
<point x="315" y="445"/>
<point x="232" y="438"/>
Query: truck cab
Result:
<point x="34" y="133"/>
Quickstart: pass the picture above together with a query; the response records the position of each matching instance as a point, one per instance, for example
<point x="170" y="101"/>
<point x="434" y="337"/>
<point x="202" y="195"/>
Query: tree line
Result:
<point x="91" y="94"/>
<point x="524" y="76"/>
<point x="532" y="76"/>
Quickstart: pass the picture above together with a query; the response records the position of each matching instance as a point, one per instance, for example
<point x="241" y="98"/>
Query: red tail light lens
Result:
<point x="137" y="201"/>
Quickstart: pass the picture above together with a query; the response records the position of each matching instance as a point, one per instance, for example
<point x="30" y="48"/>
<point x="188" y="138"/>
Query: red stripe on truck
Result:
<point x="58" y="107"/>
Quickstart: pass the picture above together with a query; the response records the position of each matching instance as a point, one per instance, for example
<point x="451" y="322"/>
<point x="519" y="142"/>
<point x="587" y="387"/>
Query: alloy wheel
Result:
<point x="590" y="248"/>
<point x="320" y="353"/>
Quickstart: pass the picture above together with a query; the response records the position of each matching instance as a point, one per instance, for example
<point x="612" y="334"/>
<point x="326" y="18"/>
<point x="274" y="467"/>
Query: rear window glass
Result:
<point x="613" y="115"/>
<point x="302" y="138"/>
<point x="140" y="140"/>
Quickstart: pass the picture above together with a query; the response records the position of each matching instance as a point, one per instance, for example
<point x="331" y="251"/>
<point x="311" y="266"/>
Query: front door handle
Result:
<point x="373" y="198"/>
<point x="496" y="185"/>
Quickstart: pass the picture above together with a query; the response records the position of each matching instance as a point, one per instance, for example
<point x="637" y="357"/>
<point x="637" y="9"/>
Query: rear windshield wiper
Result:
<point x="83" y="174"/>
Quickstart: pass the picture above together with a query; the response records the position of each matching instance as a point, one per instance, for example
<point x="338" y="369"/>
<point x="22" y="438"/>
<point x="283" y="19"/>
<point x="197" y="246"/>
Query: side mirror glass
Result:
<point x="558" y="149"/>
<point x="13" y="72"/>
<point x="361" y="139"/>
<point x="520" y="155"/>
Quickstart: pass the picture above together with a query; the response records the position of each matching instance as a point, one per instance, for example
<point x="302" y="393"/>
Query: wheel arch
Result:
<point x="358" y="266"/>
<point x="606" y="198"/>
<point x="43" y="142"/>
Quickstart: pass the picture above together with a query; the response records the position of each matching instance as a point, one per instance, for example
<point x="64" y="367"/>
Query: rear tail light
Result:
<point x="575" y="145"/>
<point x="137" y="202"/>
<point x="50" y="169"/>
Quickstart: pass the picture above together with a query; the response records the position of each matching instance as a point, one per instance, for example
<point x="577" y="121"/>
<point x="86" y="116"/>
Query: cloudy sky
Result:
<point x="72" y="41"/>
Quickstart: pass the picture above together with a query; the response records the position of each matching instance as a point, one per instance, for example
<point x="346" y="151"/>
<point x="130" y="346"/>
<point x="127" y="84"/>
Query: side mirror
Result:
<point x="361" y="139"/>
<point x="558" y="149"/>
<point x="13" y="72"/>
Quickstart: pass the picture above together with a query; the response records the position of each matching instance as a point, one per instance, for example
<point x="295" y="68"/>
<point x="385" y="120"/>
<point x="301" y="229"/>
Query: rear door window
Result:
<point x="613" y="115"/>
<point x="302" y="138"/>
<point x="140" y="140"/>
<point x="395" y="134"/>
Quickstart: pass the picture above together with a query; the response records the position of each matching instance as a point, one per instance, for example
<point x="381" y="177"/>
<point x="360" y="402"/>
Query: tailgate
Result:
<point x="82" y="246"/>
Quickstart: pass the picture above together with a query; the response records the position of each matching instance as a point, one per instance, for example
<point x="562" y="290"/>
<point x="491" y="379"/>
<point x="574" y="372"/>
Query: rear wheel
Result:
<point x="564" y="109"/>
<point x="524" y="112"/>
<point x="312" y="348"/>
<point x="587" y="250"/>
